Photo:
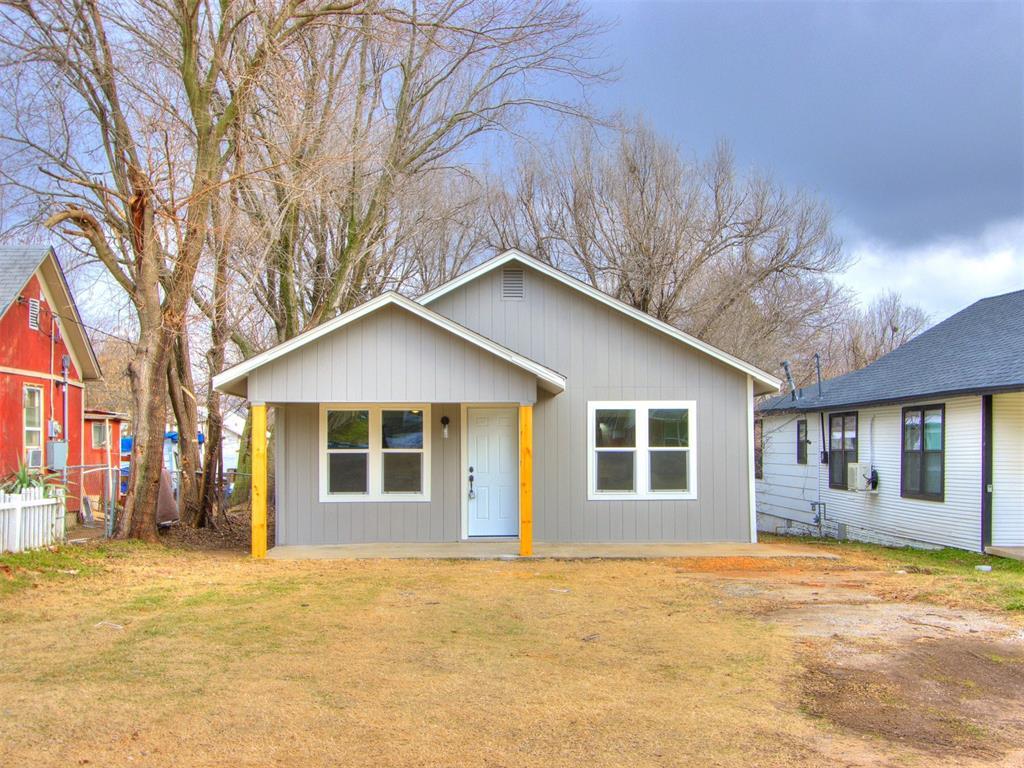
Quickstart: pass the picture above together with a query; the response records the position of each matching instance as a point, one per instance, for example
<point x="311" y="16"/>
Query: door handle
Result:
<point x="472" y="493"/>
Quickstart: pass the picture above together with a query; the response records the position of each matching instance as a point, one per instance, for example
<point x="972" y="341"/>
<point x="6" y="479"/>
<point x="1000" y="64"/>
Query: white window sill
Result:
<point x="366" y="498"/>
<point x="667" y="496"/>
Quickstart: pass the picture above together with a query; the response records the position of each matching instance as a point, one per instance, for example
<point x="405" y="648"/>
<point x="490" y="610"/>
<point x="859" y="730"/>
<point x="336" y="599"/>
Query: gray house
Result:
<point x="514" y="402"/>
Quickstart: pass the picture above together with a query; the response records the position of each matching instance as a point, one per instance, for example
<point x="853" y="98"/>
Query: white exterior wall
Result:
<point x="1008" y="470"/>
<point x="788" y="488"/>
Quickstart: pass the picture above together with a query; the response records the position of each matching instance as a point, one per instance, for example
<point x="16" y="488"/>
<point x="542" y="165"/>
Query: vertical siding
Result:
<point x="1008" y="470"/>
<point x="303" y="519"/>
<point x="391" y="356"/>
<point x="608" y="356"/>
<point x="956" y="522"/>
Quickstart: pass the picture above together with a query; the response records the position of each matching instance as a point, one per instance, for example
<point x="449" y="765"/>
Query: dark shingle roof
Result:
<point x="979" y="349"/>
<point x="17" y="263"/>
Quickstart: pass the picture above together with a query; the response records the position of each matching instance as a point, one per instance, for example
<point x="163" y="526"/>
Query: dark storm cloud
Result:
<point x="908" y="118"/>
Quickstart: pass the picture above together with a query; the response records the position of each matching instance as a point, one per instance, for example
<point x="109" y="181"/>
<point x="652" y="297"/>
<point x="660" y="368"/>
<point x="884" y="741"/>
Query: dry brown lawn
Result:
<point x="147" y="656"/>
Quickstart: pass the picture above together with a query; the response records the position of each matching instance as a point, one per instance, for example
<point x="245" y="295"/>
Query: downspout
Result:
<point x="110" y="486"/>
<point x="986" y="472"/>
<point x="64" y="363"/>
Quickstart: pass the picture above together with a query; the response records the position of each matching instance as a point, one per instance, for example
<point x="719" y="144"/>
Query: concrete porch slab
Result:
<point x="490" y="550"/>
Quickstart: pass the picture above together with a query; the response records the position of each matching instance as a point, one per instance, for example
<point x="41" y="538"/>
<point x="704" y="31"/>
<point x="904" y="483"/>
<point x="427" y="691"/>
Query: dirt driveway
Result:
<point x="147" y="656"/>
<point x="897" y="681"/>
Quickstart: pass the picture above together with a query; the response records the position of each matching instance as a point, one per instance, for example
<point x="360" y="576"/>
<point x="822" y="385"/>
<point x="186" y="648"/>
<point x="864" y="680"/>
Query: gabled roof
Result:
<point x="978" y="350"/>
<point x="764" y="381"/>
<point x="232" y="381"/>
<point x="17" y="265"/>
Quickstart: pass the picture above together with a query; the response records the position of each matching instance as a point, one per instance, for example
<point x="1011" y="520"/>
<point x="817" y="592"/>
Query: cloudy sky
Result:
<point x="907" y="118"/>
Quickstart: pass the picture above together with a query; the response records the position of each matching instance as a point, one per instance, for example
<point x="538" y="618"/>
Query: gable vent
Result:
<point x="513" y="286"/>
<point x="33" y="314"/>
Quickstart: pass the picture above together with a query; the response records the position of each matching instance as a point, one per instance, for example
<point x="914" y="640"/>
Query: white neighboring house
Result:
<point x="924" y="447"/>
<point x="233" y="425"/>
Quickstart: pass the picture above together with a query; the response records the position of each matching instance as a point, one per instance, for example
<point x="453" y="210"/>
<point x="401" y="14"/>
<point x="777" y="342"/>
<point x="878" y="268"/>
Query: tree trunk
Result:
<point x="243" y="475"/>
<point x="180" y="386"/>
<point x="147" y="373"/>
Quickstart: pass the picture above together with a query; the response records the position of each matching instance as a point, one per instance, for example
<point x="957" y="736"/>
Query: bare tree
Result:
<point x="363" y="141"/>
<point x="868" y="334"/>
<point x="119" y="125"/>
<point x="736" y="260"/>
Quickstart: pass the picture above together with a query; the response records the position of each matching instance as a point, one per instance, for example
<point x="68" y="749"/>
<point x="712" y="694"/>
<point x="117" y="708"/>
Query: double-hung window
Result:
<point x="374" y="453"/>
<point x="842" y="447"/>
<point x="924" y="446"/>
<point x="33" y="417"/>
<point x="641" y="450"/>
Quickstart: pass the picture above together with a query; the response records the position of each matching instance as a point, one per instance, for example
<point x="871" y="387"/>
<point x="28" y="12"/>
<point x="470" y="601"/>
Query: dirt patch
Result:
<point x="948" y="696"/>
<point x="234" y="534"/>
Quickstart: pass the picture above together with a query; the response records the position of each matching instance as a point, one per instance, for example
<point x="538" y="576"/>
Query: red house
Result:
<point x="101" y="454"/>
<point x="46" y="360"/>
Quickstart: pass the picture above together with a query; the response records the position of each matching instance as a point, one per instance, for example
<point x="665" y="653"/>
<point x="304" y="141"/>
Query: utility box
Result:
<point x="56" y="455"/>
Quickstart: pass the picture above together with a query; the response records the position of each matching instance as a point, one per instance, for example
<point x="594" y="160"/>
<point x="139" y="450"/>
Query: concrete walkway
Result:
<point x="490" y="550"/>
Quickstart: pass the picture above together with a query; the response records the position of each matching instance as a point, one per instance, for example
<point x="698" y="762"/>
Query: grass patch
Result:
<point x="26" y="569"/>
<point x="945" y="575"/>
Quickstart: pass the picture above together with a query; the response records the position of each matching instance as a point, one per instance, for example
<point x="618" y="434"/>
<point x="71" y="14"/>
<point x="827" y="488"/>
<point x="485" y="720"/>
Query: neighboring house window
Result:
<point x="801" y="441"/>
<point x="33" y="425"/>
<point x="375" y="453"/>
<point x="842" y="449"/>
<point x="33" y="314"/>
<point x="759" y="449"/>
<point x="641" y="450"/>
<point x="924" y="452"/>
<point x="100" y="434"/>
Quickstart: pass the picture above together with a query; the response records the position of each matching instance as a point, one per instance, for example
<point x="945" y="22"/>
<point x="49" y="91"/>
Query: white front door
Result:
<point x="493" y="465"/>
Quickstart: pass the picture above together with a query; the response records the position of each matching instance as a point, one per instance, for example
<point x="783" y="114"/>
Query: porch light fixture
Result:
<point x="444" y="426"/>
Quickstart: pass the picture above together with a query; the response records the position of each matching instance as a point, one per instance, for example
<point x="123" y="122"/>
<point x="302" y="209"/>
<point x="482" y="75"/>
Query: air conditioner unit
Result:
<point x="34" y="458"/>
<point x="858" y="476"/>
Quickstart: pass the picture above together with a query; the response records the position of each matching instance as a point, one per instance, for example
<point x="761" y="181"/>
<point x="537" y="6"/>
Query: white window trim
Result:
<point x="25" y="448"/>
<point x="375" y="461"/>
<point x="641" y="464"/>
<point x="92" y="433"/>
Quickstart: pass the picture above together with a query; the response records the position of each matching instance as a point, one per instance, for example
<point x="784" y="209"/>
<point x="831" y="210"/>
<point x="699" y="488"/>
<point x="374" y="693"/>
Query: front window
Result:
<point x="923" y="465"/>
<point x="33" y="417"/>
<point x="374" y="453"/>
<point x="842" y="447"/>
<point x="641" y="450"/>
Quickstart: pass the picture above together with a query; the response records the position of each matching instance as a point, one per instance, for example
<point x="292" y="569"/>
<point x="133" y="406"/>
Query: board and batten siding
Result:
<point x="954" y="522"/>
<point x="606" y="355"/>
<point x="1008" y="470"/>
<point x="303" y="519"/>
<point x="391" y="356"/>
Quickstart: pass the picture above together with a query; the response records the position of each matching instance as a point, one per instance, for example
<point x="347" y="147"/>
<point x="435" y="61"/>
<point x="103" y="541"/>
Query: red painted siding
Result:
<point x="36" y="355"/>
<point x="93" y="481"/>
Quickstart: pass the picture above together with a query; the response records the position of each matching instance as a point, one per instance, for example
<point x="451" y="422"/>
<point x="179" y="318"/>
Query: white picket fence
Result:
<point x="30" y="519"/>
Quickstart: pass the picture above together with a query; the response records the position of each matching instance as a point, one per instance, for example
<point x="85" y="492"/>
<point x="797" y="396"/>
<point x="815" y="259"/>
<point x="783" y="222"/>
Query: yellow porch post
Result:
<point x="258" y="498"/>
<point x="525" y="480"/>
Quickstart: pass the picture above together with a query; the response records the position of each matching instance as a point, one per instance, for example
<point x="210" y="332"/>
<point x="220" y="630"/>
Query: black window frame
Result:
<point x="759" y="449"/>
<point x="921" y="495"/>
<point x="801" y="442"/>
<point x="844" y="452"/>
